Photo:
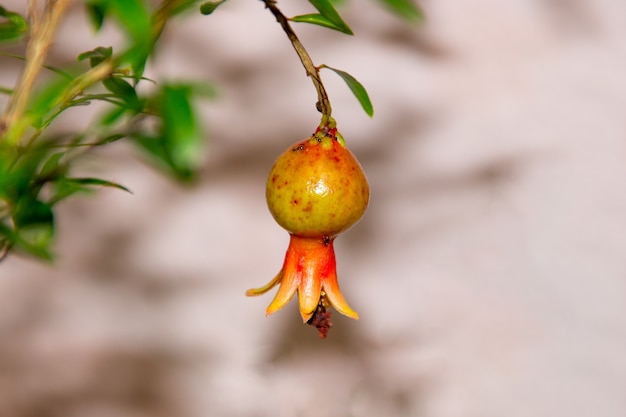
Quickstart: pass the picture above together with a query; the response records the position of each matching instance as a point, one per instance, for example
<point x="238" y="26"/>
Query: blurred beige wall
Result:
<point x="489" y="271"/>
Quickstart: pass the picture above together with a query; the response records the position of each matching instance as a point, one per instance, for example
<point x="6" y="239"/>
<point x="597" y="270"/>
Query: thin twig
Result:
<point x="323" y="103"/>
<point x="59" y="71"/>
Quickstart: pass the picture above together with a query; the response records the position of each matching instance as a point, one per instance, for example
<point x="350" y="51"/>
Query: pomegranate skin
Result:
<point x="317" y="188"/>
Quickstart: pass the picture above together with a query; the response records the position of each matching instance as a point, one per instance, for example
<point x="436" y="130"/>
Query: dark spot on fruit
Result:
<point x="298" y="148"/>
<point x="295" y="201"/>
<point x="308" y="208"/>
<point x="326" y="240"/>
<point x="319" y="140"/>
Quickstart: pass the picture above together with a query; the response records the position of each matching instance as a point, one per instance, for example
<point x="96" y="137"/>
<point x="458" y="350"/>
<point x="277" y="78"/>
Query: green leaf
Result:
<point x="31" y="211"/>
<point x="97" y="13"/>
<point x="328" y="11"/>
<point x="34" y="226"/>
<point x="134" y="17"/>
<point x="96" y="182"/>
<point x="7" y="158"/>
<point x="18" y="172"/>
<point x="154" y="149"/>
<point x="123" y="90"/>
<point x="177" y="146"/>
<point x="357" y="89"/>
<point x="317" y="19"/>
<point x="15" y="26"/>
<point x="182" y="138"/>
<point x="96" y="56"/>
<point x="63" y="189"/>
<point x="209" y="7"/>
<point x="406" y="9"/>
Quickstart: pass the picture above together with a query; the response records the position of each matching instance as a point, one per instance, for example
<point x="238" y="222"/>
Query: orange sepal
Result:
<point x="311" y="270"/>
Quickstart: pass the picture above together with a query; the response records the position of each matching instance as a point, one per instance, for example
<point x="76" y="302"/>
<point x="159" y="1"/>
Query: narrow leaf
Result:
<point x="181" y="132"/>
<point x="18" y="174"/>
<point x="9" y="32"/>
<point x="97" y="12"/>
<point x="63" y="189"/>
<point x="357" y="89"/>
<point x="123" y="90"/>
<point x="318" y="19"/>
<point x="134" y="17"/>
<point x="96" y="56"/>
<point x="34" y="226"/>
<point x="96" y="182"/>
<point x="154" y="149"/>
<point x="326" y="9"/>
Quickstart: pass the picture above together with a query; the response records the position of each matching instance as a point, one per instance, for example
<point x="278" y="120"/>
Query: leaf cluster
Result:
<point x="37" y="165"/>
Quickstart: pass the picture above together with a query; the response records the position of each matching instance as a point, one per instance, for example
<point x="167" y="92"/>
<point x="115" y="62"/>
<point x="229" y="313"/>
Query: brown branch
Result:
<point x="323" y="103"/>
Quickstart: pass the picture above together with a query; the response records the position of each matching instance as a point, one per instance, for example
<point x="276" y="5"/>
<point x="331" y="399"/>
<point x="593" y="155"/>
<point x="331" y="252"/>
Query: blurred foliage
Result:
<point x="36" y="165"/>
<point x="406" y="9"/>
<point x="13" y="27"/>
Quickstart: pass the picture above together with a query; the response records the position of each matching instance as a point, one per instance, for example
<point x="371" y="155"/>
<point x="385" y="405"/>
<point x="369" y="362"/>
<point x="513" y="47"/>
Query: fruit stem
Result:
<point x="323" y="103"/>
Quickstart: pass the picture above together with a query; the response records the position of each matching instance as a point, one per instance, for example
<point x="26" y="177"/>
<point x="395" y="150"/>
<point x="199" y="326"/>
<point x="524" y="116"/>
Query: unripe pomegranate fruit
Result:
<point x="316" y="190"/>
